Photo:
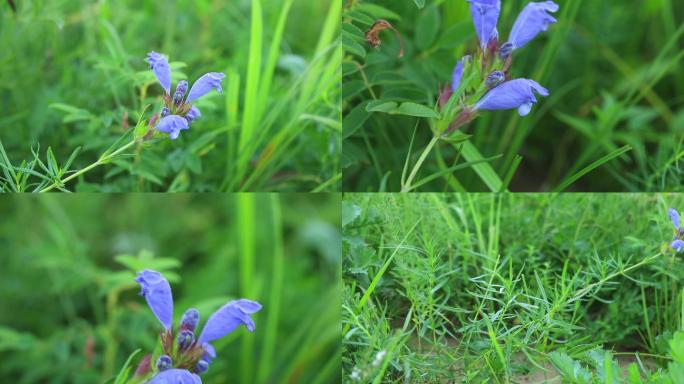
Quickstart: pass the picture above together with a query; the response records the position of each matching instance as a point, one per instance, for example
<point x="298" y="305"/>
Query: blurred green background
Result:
<point x="72" y="74"/>
<point x="612" y="68"/>
<point x="71" y="312"/>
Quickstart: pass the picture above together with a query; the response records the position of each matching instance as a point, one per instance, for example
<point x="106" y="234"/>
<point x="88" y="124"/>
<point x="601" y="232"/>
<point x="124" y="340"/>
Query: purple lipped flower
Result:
<point x="193" y="114"/>
<point x="674" y="216"/>
<point x="161" y="69"/>
<point x="175" y="376"/>
<point x="172" y="125"/>
<point x="533" y="19"/>
<point x="179" y="105"/>
<point x="227" y="318"/>
<point x="205" y="84"/>
<point x="164" y="362"/>
<point x="485" y="14"/>
<point x="157" y="291"/>
<point x="518" y="93"/>
<point x="190" y="352"/>
<point x="677" y="245"/>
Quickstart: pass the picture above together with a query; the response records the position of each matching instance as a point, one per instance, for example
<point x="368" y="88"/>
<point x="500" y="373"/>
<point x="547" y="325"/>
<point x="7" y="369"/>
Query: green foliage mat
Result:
<point x="443" y="288"/>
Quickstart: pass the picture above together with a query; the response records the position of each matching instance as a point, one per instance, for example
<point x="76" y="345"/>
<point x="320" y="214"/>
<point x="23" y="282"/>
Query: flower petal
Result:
<point x="485" y="14"/>
<point x="172" y="124"/>
<point x="677" y="245"/>
<point x="518" y="93"/>
<point x="229" y="317"/>
<point x="161" y="69"/>
<point x="175" y="376"/>
<point x="456" y="75"/>
<point x="674" y="216"/>
<point x="204" y="84"/>
<point x="157" y="291"/>
<point x="533" y="19"/>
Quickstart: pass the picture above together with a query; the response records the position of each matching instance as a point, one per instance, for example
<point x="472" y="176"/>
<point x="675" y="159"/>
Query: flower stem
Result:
<point x="407" y="185"/>
<point x="100" y="161"/>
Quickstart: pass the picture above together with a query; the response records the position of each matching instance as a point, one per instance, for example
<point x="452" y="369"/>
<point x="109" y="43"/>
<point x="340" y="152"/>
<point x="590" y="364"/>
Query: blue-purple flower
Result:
<point x="496" y="90"/>
<point x="518" y="93"/>
<point x="533" y="19"/>
<point x="178" y="105"/>
<point x="485" y="14"/>
<point x="175" y="376"/>
<point x="678" y="241"/>
<point x="190" y="355"/>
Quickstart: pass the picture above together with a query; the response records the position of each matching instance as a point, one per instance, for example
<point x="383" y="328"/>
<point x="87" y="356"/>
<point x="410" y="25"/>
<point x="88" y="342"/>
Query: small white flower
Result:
<point x="378" y="358"/>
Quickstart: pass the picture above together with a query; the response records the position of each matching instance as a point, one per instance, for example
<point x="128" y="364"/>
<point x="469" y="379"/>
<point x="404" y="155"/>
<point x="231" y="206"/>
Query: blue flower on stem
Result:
<point x="678" y="241"/>
<point x="533" y="20"/>
<point x="190" y="356"/>
<point x="518" y="93"/>
<point x="178" y="111"/>
<point x="497" y="91"/>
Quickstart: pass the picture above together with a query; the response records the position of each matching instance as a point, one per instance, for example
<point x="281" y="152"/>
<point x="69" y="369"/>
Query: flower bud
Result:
<point x="181" y="88"/>
<point x="165" y="112"/>
<point x="193" y="114"/>
<point x="190" y="317"/>
<point x="185" y="339"/>
<point x="505" y="50"/>
<point x="201" y="366"/>
<point x="494" y="78"/>
<point x="164" y="362"/>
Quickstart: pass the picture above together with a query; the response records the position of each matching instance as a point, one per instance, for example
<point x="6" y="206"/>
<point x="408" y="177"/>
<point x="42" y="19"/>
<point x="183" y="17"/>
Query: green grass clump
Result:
<point x="443" y="288"/>
<point x="75" y="88"/>
<point x="614" y="120"/>
<point x="72" y="313"/>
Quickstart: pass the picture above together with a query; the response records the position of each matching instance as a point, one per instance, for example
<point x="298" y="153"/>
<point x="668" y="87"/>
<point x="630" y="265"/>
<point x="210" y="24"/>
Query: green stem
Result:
<point x="407" y="185"/>
<point x="100" y="161"/>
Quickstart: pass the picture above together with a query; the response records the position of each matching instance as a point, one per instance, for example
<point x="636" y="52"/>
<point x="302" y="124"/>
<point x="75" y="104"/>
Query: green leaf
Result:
<point x="413" y="109"/>
<point x="350" y="212"/>
<point x="419" y="3"/>
<point x="355" y="119"/>
<point x="484" y="170"/>
<point x="352" y="46"/>
<point x="427" y="28"/>
<point x="382" y="106"/>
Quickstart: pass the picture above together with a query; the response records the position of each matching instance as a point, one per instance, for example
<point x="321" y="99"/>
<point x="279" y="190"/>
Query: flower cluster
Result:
<point x="178" y="112"/>
<point x="678" y="241"/>
<point x="485" y="84"/>
<point x="184" y="357"/>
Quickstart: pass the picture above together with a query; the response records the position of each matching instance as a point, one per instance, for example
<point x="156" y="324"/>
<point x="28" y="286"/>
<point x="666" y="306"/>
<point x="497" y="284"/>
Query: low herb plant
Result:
<point x="443" y="288"/>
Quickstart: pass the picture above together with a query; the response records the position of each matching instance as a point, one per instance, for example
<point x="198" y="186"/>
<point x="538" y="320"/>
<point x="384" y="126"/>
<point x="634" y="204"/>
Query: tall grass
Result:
<point x="74" y="81"/>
